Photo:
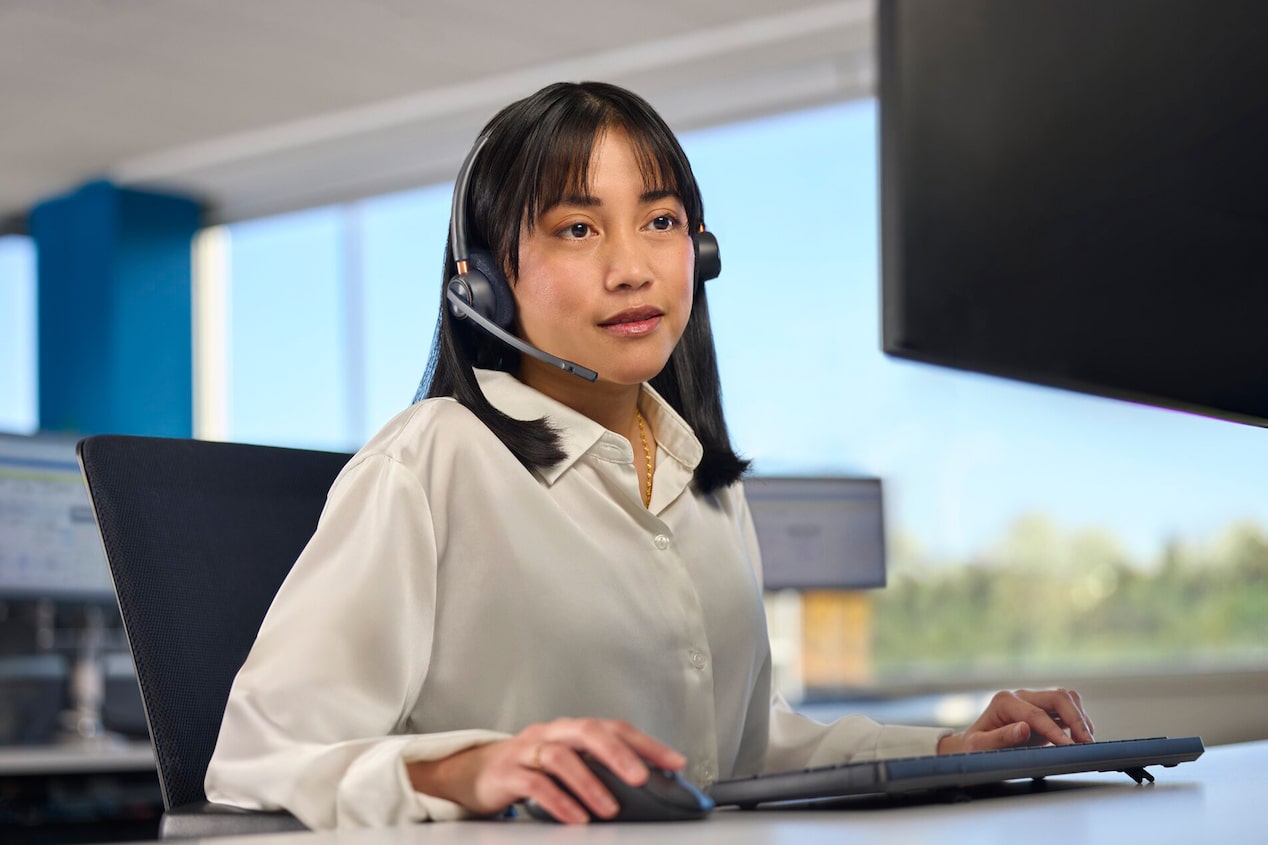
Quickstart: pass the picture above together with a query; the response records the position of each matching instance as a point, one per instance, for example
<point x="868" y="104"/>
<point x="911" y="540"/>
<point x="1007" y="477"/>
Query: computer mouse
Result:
<point x="666" y="797"/>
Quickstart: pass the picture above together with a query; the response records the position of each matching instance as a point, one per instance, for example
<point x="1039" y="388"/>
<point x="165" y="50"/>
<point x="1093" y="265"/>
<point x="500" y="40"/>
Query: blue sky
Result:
<point x="321" y="356"/>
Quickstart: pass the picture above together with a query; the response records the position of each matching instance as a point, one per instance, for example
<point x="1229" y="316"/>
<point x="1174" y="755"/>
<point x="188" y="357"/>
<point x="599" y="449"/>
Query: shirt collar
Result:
<point x="578" y="434"/>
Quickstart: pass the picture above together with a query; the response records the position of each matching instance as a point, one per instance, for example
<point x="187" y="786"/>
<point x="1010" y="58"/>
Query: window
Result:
<point x="19" y="409"/>
<point x="329" y="318"/>
<point x="1029" y="527"/>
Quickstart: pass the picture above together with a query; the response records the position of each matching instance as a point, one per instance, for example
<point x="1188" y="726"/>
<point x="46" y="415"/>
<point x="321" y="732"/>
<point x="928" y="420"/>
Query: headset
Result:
<point x="480" y="293"/>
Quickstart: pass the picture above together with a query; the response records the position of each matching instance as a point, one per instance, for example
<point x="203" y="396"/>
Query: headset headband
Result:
<point x="458" y="212"/>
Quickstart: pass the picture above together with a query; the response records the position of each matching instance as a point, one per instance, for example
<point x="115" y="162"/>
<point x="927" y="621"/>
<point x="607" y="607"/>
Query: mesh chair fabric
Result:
<point x="198" y="537"/>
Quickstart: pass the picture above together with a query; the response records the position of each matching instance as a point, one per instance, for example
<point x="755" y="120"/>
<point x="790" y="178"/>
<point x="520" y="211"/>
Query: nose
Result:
<point x="628" y="263"/>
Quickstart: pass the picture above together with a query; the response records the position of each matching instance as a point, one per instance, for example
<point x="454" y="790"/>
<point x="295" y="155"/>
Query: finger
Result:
<point x="554" y="800"/>
<point x="600" y="739"/>
<point x="1043" y="725"/>
<point x="1007" y="708"/>
<point x="616" y="744"/>
<point x="1078" y="702"/>
<point x="652" y="750"/>
<point x="1060" y="705"/>
<point x="1073" y="730"/>
<point x="1006" y="737"/>
<point x="576" y="777"/>
<point x="628" y="751"/>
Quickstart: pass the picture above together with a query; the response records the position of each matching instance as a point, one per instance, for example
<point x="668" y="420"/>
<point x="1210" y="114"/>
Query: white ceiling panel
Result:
<point x="259" y="106"/>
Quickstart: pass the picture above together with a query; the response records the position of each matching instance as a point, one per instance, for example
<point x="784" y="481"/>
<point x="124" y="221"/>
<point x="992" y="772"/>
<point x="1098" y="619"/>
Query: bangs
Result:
<point x="565" y="172"/>
<point x="541" y="156"/>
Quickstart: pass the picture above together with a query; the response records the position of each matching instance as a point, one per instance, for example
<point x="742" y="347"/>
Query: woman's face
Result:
<point x="605" y="279"/>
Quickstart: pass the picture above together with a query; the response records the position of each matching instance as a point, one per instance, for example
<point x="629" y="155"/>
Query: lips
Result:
<point x="632" y="315"/>
<point x="633" y="323"/>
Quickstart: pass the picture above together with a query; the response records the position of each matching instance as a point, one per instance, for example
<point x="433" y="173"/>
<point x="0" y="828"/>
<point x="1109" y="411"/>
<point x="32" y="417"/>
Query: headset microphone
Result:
<point x="462" y="309"/>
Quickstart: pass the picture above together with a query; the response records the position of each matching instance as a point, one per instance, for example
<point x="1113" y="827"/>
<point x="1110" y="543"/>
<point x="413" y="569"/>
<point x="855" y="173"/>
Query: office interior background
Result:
<point x="1035" y="536"/>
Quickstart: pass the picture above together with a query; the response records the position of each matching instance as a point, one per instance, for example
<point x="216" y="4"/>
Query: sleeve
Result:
<point x="798" y="742"/>
<point x="314" y="719"/>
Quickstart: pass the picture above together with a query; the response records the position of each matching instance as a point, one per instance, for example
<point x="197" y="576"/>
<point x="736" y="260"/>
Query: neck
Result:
<point x="613" y="406"/>
<point x="610" y="405"/>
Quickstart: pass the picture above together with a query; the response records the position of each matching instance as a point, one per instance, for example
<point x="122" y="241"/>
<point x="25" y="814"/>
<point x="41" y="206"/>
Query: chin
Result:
<point x="631" y="374"/>
<point x="630" y="364"/>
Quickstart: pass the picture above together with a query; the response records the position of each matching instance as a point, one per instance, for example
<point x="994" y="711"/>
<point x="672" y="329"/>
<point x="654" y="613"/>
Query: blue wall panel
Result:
<point x="115" y="336"/>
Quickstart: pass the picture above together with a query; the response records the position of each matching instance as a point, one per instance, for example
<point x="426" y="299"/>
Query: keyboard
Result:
<point x="911" y="774"/>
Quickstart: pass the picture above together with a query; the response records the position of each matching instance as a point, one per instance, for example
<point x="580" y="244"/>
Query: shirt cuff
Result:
<point x="436" y="747"/>
<point x="895" y="741"/>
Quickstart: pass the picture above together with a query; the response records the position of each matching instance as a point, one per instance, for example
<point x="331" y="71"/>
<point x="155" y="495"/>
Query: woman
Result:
<point x="527" y="564"/>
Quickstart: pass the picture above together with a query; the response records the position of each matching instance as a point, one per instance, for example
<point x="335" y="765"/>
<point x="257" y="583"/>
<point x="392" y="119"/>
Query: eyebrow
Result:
<point x="591" y="201"/>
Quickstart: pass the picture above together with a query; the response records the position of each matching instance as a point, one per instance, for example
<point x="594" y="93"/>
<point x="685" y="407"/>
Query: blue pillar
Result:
<point x="115" y="336"/>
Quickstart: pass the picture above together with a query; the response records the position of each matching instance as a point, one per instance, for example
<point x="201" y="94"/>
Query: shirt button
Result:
<point x="697" y="658"/>
<point x="661" y="541"/>
<point x="707" y="774"/>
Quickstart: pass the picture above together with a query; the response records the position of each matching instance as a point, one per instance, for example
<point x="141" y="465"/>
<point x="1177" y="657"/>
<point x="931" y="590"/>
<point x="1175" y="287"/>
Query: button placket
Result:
<point x="700" y="715"/>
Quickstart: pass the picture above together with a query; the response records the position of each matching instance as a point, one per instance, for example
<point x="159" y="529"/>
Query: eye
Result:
<point x="664" y="223"/>
<point x="575" y="231"/>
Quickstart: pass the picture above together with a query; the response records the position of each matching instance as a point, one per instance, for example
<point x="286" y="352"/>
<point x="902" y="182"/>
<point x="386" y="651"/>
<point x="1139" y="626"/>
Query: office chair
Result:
<point x="199" y="537"/>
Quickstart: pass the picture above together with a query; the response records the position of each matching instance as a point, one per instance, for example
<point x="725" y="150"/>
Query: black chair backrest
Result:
<point x="198" y="536"/>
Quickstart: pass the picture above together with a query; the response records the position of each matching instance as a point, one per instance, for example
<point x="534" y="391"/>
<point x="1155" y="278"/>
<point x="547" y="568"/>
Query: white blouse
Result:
<point x="450" y="597"/>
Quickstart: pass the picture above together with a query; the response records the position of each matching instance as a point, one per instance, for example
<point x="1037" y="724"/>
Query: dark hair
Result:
<point x="537" y="152"/>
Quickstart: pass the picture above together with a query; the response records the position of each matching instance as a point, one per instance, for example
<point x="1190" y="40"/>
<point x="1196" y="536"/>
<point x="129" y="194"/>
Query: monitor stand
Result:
<point x="81" y="724"/>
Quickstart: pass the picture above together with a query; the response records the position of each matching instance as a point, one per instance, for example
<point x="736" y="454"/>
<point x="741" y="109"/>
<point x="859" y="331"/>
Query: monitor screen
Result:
<point x="819" y="533"/>
<point x="1075" y="193"/>
<point x="49" y="545"/>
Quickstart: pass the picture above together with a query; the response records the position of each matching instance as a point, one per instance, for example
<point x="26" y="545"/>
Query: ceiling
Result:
<point x="256" y="107"/>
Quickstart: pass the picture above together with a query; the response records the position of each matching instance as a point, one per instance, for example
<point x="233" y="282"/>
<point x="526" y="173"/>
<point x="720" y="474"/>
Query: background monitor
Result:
<point x="49" y="545"/>
<point x="819" y="533"/>
<point x="1075" y="193"/>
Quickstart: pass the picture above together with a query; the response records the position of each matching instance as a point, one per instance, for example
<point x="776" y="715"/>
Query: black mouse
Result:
<point x="666" y="797"/>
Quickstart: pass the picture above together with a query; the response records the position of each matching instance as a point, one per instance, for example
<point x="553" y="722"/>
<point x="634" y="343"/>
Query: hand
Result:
<point x="489" y="778"/>
<point x="1024" y="717"/>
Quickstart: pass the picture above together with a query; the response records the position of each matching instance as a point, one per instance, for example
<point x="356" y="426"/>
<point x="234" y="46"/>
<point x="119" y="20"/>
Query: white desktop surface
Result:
<point x="1220" y="797"/>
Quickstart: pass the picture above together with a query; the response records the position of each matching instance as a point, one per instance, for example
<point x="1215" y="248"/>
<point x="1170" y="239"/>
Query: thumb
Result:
<point x="1005" y="737"/>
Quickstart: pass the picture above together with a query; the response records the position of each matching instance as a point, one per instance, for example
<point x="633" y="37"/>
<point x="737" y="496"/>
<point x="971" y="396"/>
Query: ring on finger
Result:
<point x="535" y="761"/>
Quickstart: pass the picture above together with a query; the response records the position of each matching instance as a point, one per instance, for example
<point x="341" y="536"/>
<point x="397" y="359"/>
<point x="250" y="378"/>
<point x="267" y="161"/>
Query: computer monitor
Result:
<point x="819" y="533"/>
<point x="1075" y="193"/>
<point x="49" y="545"/>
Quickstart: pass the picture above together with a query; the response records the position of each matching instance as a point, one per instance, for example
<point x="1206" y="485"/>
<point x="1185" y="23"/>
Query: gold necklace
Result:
<point x="647" y="453"/>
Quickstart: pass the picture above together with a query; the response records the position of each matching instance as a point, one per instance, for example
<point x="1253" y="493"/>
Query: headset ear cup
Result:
<point x="472" y="288"/>
<point x="495" y="299"/>
<point x="708" y="257"/>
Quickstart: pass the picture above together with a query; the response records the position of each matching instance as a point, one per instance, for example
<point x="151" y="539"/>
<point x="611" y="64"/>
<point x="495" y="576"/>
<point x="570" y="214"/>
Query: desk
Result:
<point x="1218" y="798"/>
<point x="78" y="793"/>
<point x="76" y="759"/>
